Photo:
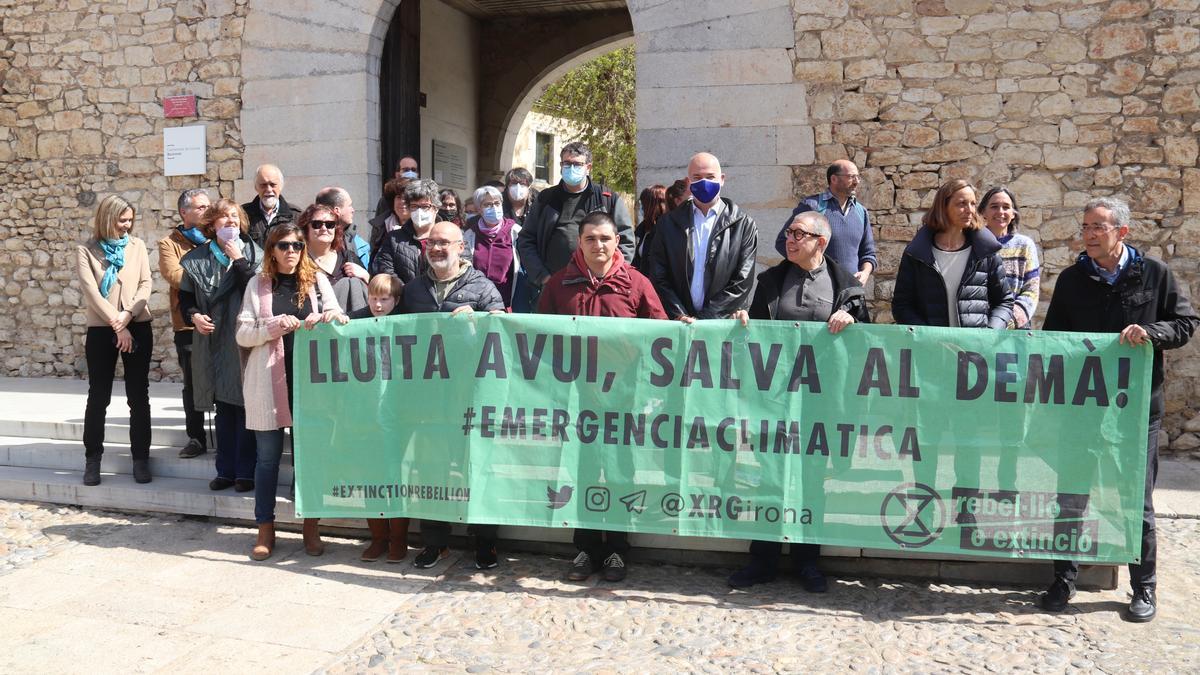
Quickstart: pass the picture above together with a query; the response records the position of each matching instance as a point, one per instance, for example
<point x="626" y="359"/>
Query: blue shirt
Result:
<point x="1122" y="263"/>
<point x="851" y="243"/>
<point x="702" y="227"/>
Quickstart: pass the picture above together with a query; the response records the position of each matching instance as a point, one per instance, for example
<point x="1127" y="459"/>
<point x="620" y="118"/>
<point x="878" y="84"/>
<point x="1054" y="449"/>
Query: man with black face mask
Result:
<point x="702" y="257"/>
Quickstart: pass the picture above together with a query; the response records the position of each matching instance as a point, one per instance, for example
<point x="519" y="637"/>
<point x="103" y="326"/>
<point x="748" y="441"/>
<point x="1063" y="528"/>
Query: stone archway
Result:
<point x="310" y="93"/>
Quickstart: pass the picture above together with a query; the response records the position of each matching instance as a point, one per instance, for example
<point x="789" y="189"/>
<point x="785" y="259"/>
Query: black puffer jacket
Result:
<point x="402" y="255"/>
<point x="258" y="222"/>
<point x="1145" y="294"/>
<point x="472" y="288"/>
<point x="729" y="262"/>
<point x="983" y="298"/>
<point x="848" y="294"/>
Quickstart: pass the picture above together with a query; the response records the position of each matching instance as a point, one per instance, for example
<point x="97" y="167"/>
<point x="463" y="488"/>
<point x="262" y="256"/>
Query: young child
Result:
<point x="391" y="534"/>
<point x="383" y="297"/>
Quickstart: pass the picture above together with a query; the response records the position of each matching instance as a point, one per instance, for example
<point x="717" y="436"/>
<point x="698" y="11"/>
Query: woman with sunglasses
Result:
<point x="210" y="297"/>
<point x="289" y="294"/>
<point x="326" y="243"/>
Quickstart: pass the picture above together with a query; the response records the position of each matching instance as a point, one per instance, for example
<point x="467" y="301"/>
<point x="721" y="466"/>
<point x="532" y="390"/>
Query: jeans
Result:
<point x="266" y="474"/>
<point x="1141" y="575"/>
<point x="436" y="533"/>
<point x="194" y="419"/>
<point x="101" y="352"/>
<point x="236" y="445"/>
<point x="599" y="544"/>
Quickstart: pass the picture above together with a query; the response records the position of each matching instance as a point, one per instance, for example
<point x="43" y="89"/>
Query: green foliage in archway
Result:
<point x="597" y="101"/>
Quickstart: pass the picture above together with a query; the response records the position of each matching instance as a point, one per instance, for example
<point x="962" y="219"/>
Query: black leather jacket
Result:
<point x="728" y="263"/>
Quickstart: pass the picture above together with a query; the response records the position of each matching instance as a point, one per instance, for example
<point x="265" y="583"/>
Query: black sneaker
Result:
<point x="220" y="483"/>
<point x="581" y="568"/>
<point x="1056" y="597"/>
<point x="141" y="470"/>
<point x="429" y="556"/>
<point x="614" y="568"/>
<point x="1143" y="606"/>
<point x="485" y="558"/>
<point x="812" y="580"/>
<point x="91" y="472"/>
<point x="194" y="448"/>
<point x="757" y="572"/>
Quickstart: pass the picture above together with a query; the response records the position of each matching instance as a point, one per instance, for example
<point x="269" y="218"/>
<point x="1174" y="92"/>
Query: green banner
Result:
<point x="943" y="440"/>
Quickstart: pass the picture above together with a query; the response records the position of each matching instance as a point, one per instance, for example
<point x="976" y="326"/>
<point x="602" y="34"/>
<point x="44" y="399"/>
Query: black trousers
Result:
<point x="1140" y="575"/>
<point x="599" y="544"/>
<point x="101" y="353"/>
<point x="768" y="552"/>
<point x="436" y="533"/>
<point x="194" y="419"/>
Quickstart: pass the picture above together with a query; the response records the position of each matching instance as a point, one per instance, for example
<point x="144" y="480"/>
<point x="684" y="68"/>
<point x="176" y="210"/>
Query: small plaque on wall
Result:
<point x="179" y="106"/>
<point x="184" y="151"/>
<point x="449" y="164"/>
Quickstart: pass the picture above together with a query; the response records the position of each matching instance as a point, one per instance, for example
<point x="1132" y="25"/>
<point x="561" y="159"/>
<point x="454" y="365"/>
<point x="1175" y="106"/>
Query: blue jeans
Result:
<point x="235" y="444"/>
<point x="266" y="474"/>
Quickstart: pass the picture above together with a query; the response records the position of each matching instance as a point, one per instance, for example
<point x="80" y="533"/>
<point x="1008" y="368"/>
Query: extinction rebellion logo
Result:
<point x="913" y="515"/>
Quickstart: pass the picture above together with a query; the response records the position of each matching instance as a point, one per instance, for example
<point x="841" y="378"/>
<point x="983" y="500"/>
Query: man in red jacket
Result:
<point x="599" y="282"/>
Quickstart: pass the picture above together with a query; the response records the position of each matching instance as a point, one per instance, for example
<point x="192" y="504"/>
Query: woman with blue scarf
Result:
<point x="210" y="298"/>
<point x="114" y="277"/>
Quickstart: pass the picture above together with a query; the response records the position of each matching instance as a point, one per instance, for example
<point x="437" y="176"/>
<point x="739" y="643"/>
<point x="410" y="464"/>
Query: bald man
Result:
<point x="702" y="257"/>
<point x="852" y="244"/>
<point x="269" y="208"/>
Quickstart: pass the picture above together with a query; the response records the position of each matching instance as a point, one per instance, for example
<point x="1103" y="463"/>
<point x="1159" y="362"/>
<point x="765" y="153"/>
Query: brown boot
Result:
<point x="397" y="539"/>
<point x="312" y="537"/>
<point x="379" y="539"/>
<point x="265" y="542"/>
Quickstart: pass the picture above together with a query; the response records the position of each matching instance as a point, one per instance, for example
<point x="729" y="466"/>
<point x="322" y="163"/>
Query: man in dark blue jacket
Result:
<point x="1113" y="288"/>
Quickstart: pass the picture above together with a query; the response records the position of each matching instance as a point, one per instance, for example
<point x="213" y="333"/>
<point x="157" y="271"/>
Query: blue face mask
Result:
<point x="705" y="190"/>
<point x="410" y="175"/>
<point x="574" y="175"/>
<point x="493" y="214"/>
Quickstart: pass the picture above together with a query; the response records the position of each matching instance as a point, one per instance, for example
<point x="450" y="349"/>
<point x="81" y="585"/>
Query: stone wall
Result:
<point x="81" y="84"/>
<point x="1061" y="101"/>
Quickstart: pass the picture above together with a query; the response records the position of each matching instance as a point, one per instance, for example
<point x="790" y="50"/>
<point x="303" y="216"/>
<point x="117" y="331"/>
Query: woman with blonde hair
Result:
<point x="114" y="277"/>
<point x="289" y="294"/>
<point x="210" y="298"/>
<point x="951" y="273"/>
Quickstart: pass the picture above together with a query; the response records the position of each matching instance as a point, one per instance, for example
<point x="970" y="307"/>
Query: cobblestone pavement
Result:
<point x="522" y="618"/>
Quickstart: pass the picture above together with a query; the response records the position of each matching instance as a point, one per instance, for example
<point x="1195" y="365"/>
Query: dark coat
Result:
<point x="402" y="255"/>
<point x="1146" y="294"/>
<point x="984" y="300"/>
<point x="472" y="288"/>
<point x="258" y="222"/>
<point x="542" y="217"/>
<point x="729" y="262"/>
<point x="848" y="294"/>
<point x="623" y="292"/>
<point x="210" y="289"/>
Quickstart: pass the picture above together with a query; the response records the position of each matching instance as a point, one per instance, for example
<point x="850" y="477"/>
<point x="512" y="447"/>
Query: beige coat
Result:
<point x="171" y="250"/>
<point x="131" y="291"/>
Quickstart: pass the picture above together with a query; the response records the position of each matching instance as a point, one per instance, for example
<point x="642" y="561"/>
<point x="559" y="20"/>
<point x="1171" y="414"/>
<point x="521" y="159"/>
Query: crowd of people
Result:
<point x="244" y="278"/>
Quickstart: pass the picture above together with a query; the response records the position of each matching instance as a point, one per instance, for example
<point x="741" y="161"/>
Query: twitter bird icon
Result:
<point x="558" y="498"/>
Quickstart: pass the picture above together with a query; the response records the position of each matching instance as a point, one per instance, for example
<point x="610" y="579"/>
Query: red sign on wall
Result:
<point x="179" y="106"/>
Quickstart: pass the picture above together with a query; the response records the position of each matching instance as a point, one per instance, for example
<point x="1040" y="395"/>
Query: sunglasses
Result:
<point x="286" y="246"/>
<point x="323" y="224"/>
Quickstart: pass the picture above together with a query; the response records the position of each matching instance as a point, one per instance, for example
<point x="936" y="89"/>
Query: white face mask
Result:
<point x="422" y="218"/>
<point x="227" y="233"/>
<point x="518" y="192"/>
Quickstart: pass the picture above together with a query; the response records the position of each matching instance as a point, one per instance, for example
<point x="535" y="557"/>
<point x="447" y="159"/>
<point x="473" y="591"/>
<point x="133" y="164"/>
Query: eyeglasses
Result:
<point x="797" y="234"/>
<point x="422" y="207"/>
<point x="575" y="164"/>
<point x="852" y="177"/>
<point x="286" y="246"/>
<point x="323" y="224"/>
<point x="442" y="243"/>
<point x="1095" y="229"/>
